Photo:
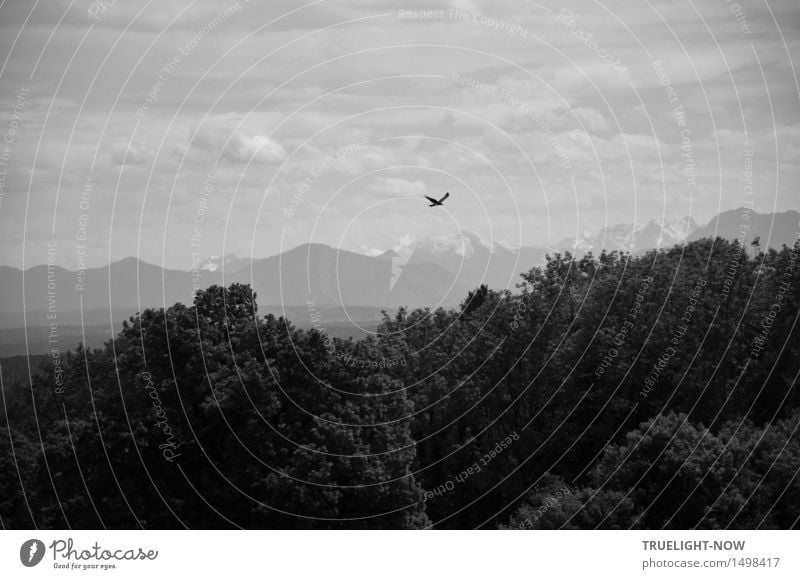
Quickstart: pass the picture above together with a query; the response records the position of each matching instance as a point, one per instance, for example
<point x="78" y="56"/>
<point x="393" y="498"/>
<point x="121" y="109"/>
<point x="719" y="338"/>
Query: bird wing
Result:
<point x="431" y="199"/>
<point x="446" y="195"/>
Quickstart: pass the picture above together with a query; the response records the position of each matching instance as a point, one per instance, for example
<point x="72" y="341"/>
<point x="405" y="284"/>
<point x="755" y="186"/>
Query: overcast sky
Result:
<point x="249" y="127"/>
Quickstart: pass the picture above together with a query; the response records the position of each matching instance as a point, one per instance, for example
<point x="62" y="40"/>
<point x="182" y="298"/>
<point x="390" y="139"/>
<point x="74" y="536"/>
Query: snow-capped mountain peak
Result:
<point x="630" y="238"/>
<point x="215" y="262"/>
<point x="461" y="243"/>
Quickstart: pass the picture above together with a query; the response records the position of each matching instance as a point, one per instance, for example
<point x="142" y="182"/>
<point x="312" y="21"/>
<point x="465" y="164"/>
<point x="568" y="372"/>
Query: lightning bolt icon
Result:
<point x="34" y="548"/>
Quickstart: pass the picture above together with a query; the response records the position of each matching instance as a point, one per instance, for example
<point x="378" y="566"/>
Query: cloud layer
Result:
<point x="541" y="119"/>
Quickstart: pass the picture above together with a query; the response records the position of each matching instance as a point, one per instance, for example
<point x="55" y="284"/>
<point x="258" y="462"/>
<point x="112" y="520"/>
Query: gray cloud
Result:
<point x="264" y="94"/>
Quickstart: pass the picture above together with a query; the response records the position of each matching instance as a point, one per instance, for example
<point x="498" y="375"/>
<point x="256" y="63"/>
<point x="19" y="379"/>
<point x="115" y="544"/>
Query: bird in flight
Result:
<point x="434" y="202"/>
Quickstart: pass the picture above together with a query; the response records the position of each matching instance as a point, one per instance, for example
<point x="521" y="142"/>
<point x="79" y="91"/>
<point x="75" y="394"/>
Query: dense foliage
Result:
<point x="613" y="392"/>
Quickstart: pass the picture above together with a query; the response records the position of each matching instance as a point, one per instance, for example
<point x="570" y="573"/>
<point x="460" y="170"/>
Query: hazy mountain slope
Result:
<point x="774" y="230"/>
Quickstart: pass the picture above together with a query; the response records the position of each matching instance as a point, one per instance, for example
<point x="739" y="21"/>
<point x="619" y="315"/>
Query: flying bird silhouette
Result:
<point x="434" y="202"/>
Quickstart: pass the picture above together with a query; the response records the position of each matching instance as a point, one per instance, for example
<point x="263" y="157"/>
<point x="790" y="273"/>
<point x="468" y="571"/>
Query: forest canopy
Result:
<point x="610" y="391"/>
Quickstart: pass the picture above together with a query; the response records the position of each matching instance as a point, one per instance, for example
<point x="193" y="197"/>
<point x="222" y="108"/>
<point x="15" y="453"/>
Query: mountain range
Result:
<point x="349" y="288"/>
<point x="630" y="238"/>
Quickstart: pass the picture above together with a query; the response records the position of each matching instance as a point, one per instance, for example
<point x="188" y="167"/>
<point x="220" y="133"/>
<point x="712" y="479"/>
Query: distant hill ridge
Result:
<point x="428" y="273"/>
